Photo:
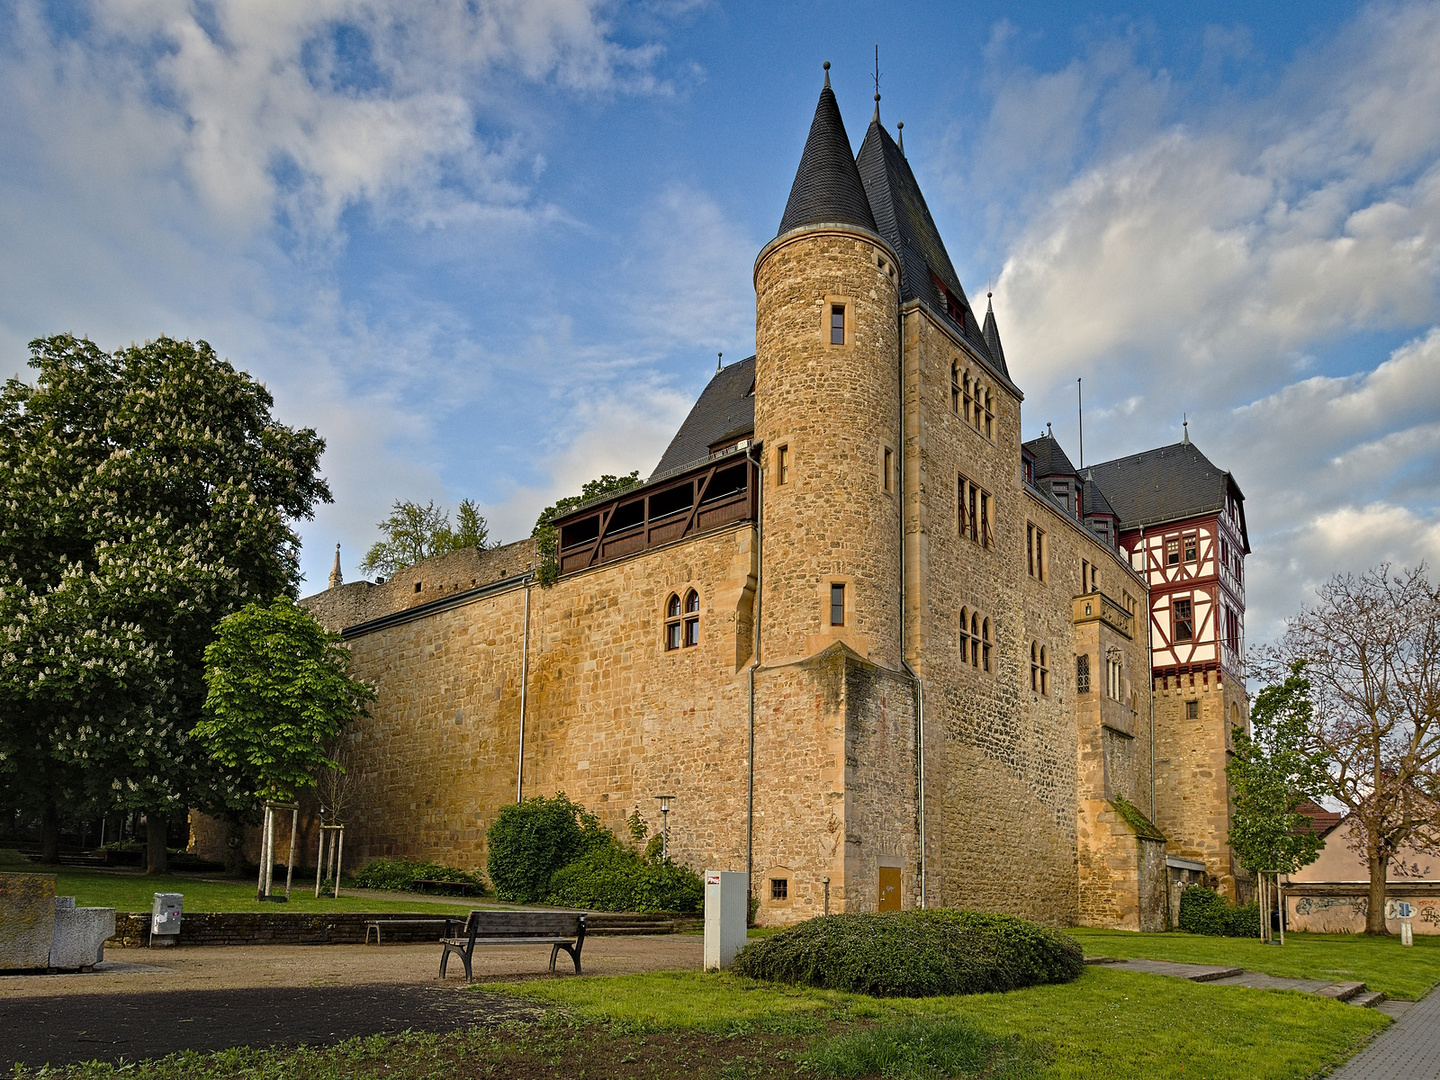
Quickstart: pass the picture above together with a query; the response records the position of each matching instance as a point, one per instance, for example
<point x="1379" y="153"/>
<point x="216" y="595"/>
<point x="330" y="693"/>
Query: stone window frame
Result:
<point x="784" y="464"/>
<point x="1192" y="709"/>
<point x="887" y="469"/>
<point x="682" y="621"/>
<point x="976" y="640"/>
<point x="1039" y="669"/>
<point x="978" y="526"/>
<point x="830" y="303"/>
<point x="691" y="615"/>
<point x="1037" y="552"/>
<point x="1082" y="673"/>
<point x="781" y="874"/>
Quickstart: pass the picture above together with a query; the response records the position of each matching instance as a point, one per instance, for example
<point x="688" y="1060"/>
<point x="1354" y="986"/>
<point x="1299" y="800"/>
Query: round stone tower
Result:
<point x="827" y="412"/>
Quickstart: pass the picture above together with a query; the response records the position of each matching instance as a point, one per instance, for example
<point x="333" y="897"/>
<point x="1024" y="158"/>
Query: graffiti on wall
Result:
<point x="1346" y="914"/>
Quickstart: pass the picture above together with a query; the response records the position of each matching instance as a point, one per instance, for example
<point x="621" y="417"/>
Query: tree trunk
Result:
<point x="157" y="833"/>
<point x="50" y="834"/>
<point x="235" y="847"/>
<point x="1375" y="912"/>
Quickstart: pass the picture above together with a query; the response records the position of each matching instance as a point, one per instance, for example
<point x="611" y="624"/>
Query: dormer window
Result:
<point x="837" y="324"/>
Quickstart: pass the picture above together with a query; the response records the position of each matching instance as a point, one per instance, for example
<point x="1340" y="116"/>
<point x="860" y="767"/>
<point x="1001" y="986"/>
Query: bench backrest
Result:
<point x="524" y="923"/>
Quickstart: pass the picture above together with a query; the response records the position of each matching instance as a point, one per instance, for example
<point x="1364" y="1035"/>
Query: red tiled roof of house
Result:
<point x="1320" y="820"/>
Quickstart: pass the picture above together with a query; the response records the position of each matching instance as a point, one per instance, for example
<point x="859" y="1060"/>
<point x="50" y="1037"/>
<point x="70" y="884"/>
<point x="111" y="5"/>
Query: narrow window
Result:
<point x="955" y="387"/>
<point x="1192" y="710"/>
<point x="1082" y="673"/>
<point x="1030" y="546"/>
<point x="417" y="586"/>
<point x="673" y="639"/>
<point x="1044" y="671"/>
<point x="1034" y="666"/>
<point x="974" y="497"/>
<point x="964" y="635"/>
<point x="969" y="389"/>
<point x="1184" y="620"/>
<point x="989" y="416"/>
<point x="974" y="640"/>
<point x="1192" y="545"/>
<point x="692" y="618"/>
<point x="984" y="520"/>
<point x="782" y="465"/>
<point x="1094" y="585"/>
<point x="985" y="643"/>
<point x="837" y="605"/>
<point x="977" y="413"/>
<point x="1172" y="552"/>
<point x="1084" y="575"/>
<point x="837" y="324"/>
<point x="888" y="467"/>
<point x="779" y="886"/>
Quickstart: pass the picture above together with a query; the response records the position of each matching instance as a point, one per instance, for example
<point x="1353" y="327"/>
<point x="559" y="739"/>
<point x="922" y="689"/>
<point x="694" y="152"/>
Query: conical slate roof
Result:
<point x="991" y="333"/>
<point x="827" y="188"/>
<point x="903" y="220"/>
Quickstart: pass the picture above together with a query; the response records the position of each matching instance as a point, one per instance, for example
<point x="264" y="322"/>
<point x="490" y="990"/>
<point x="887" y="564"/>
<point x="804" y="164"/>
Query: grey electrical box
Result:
<point x="165" y="914"/>
<point x="726" y="916"/>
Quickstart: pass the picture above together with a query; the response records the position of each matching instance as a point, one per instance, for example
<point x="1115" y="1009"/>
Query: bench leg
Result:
<point x="574" y="956"/>
<point x="444" y="959"/>
<point x="468" y="976"/>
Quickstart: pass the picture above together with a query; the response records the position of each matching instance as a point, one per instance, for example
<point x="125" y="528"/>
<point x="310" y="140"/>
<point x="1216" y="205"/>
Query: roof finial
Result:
<point x="719" y="362"/>
<point x="336" y="578"/>
<point x="988" y="305"/>
<point x="900" y="132"/>
<point x="827" y="73"/>
<point x="1049" y="430"/>
<point x="1186" y="425"/>
<point x="876" y="117"/>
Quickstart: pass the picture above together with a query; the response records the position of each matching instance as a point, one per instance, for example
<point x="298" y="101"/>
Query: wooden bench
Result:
<point x="558" y="929"/>
<point x="376" y="924"/>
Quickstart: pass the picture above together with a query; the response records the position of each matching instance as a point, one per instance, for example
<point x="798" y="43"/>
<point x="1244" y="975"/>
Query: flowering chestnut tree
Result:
<point x="145" y="494"/>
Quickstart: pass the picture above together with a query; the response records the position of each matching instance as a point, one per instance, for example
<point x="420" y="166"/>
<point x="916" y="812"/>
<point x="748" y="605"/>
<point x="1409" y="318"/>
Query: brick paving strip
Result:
<point x="1408" y="1050"/>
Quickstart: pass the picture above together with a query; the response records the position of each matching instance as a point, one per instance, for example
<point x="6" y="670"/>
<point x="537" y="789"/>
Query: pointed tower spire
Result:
<point x="336" y="577"/>
<point x="900" y="135"/>
<point x="827" y="188"/>
<point x="991" y="334"/>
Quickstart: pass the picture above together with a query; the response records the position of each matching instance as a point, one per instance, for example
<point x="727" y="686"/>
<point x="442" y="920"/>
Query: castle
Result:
<point x="874" y="646"/>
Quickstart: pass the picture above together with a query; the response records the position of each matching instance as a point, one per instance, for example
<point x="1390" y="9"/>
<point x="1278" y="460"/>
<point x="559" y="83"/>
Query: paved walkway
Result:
<point x="1407" y="1050"/>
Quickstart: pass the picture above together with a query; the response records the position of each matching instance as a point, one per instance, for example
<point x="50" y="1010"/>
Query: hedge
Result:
<point x="915" y="953"/>
<point x="1204" y="911"/>
<point x="400" y="875"/>
<point x="530" y="840"/>
<point x="617" y="878"/>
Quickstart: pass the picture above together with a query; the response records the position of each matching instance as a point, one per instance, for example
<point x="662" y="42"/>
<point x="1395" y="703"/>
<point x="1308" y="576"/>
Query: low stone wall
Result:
<point x="1341" y="908"/>
<point x="336" y="928"/>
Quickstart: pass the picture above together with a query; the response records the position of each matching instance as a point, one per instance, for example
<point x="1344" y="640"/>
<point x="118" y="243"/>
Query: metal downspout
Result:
<point x="919" y="682"/>
<point x="754" y="663"/>
<point x="524" y="683"/>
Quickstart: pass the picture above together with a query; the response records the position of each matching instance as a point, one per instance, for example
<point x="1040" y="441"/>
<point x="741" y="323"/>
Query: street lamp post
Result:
<point x="665" y="826"/>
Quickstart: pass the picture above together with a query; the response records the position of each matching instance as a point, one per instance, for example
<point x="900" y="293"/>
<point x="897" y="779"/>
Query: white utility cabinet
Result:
<point x="726" y="917"/>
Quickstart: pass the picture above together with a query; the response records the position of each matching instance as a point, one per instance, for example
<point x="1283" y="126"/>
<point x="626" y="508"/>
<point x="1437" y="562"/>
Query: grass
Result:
<point x="707" y="1027"/>
<point x="1381" y="963"/>
<point x="1107" y="1024"/>
<point x="132" y="891"/>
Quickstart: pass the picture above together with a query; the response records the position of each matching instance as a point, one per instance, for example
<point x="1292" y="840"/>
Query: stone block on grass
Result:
<point x="27" y="921"/>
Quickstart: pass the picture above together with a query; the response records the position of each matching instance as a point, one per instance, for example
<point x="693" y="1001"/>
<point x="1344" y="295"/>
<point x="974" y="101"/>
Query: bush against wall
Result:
<point x="400" y="875"/>
<point x="915" y="953"/>
<point x="1204" y="911"/>
<point x="532" y="839"/>
<point x="617" y="878"/>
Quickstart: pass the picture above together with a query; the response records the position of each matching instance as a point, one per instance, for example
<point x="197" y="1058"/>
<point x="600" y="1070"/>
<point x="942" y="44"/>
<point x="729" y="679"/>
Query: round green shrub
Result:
<point x="400" y="875"/>
<point x="530" y="840"/>
<point x="1204" y="911"/>
<point x="616" y="878"/>
<point x="914" y="953"/>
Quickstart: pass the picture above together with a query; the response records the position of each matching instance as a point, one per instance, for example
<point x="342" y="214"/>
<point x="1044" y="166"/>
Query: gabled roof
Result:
<point x="827" y="188"/>
<point x="725" y="410"/>
<point x="1093" y="500"/>
<point x="902" y="218"/>
<point x="1167" y="484"/>
<point x="1318" y="819"/>
<point x="1050" y="460"/>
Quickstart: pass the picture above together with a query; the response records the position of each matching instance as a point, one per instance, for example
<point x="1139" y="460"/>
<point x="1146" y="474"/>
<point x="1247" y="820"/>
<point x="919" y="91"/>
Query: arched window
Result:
<point x="1044" y="671"/>
<point x="1034" y="666"/>
<point x="955" y="387"/>
<point x="969" y="402"/>
<point x="964" y="635"/>
<point x="985" y="644"/>
<point x="989" y="416"/>
<point x="692" y="618"/>
<point x="673" y="638"/>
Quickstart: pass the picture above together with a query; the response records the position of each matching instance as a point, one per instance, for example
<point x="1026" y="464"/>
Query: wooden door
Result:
<point x="889" y="888"/>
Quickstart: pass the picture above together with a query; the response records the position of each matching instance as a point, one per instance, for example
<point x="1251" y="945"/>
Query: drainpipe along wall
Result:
<point x="904" y="659"/>
<point x="754" y="663"/>
<point x="524" y="684"/>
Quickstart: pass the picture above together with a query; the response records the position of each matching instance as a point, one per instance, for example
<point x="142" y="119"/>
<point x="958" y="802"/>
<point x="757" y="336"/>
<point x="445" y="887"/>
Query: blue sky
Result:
<point x="490" y="250"/>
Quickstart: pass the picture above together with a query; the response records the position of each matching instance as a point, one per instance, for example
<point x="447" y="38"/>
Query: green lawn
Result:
<point x="1380" y="963"/>
<point x="133" y="891"/>
<point x="1108" y="1024"/>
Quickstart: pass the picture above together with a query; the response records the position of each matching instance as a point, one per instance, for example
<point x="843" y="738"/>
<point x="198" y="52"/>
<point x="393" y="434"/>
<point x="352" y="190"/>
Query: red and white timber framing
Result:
<point x="1195" y="568"/>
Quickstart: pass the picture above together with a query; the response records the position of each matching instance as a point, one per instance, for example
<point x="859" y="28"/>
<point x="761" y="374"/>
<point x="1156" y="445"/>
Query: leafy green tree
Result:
<point x="280" y="692"/>
<point x="528" y="841"/>
<point x="144" y="495"/>
<point x="545" y="534"/>
<point x="1270" y="775"/>
<point x="413" y="532"/>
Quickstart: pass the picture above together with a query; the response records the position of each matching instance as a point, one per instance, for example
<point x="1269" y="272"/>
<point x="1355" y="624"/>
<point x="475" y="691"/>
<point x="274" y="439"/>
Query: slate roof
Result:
<point x="1050" y="460"/>
<point x="827" y="186"/>
<point x="902" y="218"/>
<point x="991" y="333"/>
<point x="1166" y="484"/>
<point x="725" y="410"/>
<point x="1093" y="500"/>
